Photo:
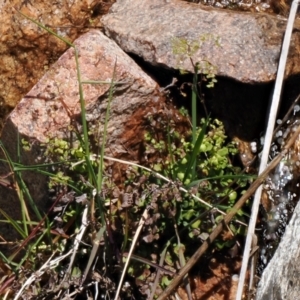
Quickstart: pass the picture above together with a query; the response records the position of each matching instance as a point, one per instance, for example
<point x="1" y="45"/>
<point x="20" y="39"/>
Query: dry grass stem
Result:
<point x="177" y="280"/>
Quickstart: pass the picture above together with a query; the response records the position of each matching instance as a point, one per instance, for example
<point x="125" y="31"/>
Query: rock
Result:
<point x="27" y="51"/>
<point x="241" y="46"/>
<point x="281" y="278"/>
<point x="53" y="103"/>
<point x="281" y="7"/>
<point x="241" y="49"/>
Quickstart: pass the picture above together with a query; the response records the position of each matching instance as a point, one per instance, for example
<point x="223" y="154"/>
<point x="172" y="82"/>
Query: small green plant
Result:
<point x="215" y="177"/>
<point x="186" y="48"/>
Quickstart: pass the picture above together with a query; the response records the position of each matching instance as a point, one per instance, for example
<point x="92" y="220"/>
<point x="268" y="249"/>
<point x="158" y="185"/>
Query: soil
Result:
<point x="218" y="281"/>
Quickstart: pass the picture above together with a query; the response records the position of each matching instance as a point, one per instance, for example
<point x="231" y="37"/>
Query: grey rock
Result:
<point x="53" y="104"/>
<point x="281" y="278"/>
<point x="242" y="46"/>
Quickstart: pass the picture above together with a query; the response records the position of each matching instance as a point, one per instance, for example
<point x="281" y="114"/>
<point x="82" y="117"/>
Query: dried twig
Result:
<point x="176" y="281"/>
<point x="77" y="241"/>
<point x="137" y="233"/>
<point x="96" y="245"/>
<point x="49" y="264"/>
<point x="94" y="156"/>
<point x="267" y="144"/>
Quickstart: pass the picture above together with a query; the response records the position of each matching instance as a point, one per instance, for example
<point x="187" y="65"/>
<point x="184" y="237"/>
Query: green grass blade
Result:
<point x="242" y="177"/>
<point x="171" y="154"/>
<point x="194" y="103"/>
<point x="191" y="167"/>
<point x="14" y="224"/>
<point x="25" y="191"/>
<point x="29" y="251"/>
<point x="110" y="97"/>
<point x="19" y="191"/>
<point x="47" y="29"/>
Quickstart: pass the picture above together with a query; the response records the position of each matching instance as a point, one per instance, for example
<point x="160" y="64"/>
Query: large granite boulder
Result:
<point x="241" y="46"/>
<point x="53" y="104"/>
<point x="27" y="51"/>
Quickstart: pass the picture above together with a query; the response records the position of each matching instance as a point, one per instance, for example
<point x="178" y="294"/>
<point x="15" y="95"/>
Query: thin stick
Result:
<point x="94" y="156"/>
<point x="176" y="281"/>
<point x="267" y="145"/>
<point x="137" y="233"/>
<point x="48" y="265"/>
<point x="287" y="115"/>
<point x="77" y="241"/>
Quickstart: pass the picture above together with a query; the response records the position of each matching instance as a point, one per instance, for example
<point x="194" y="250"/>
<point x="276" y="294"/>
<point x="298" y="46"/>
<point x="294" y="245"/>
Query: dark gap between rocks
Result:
<point x="242" y="107"/>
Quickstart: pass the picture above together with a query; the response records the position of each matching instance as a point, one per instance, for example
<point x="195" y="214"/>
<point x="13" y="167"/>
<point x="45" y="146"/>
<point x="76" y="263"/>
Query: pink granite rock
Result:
<point x="53" y="103"/>
<point x="27" y="51"/>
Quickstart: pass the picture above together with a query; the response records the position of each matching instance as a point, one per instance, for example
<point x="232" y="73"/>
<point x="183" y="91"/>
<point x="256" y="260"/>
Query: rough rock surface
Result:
<point x="281" y="278"/>
<point x="53" y="103"/>
<point x="26" y="51"/>
<point x="280" y="7"/>
<point x="242" y="46"/>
